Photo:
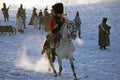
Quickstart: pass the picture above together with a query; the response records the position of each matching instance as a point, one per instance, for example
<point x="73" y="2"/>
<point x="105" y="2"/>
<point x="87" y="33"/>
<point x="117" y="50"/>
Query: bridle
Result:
<point x="70" y="31"/>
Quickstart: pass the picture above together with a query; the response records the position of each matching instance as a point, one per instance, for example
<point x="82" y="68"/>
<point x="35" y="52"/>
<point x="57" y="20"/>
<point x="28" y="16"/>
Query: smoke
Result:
<point x="25" y="62"/>
<point x="79" y="41"/>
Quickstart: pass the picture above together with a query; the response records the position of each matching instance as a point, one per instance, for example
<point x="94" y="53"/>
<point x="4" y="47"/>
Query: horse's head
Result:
<point x="69" y="31"/>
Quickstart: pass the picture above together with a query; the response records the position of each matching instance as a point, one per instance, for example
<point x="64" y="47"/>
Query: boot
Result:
<point x="104" y="47"/>
<point x="101" y="47"/>
<point x="53" y="54"/>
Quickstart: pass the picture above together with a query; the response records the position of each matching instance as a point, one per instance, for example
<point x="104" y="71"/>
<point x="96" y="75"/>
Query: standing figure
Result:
<point x="23" y="13"/>
<point x="21" y="16"/>
<point x="78" y="24"/>
<point x="19" y="22"/>
<point x="5" y="12"/>
<point x="40" y="13"/>
<point x="104" y="32"/>
<point x="34" y="19"/>
<point x="41" y="19"/>
<point x="47" y="18"/>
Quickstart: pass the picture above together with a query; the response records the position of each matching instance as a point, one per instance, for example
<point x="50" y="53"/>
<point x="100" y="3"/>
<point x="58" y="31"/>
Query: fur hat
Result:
<point x="58" y="8"/>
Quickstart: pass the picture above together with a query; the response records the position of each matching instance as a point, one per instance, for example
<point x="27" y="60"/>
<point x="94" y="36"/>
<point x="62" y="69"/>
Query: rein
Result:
<point x="61" y="36"/>
<point x="64" y="39"/>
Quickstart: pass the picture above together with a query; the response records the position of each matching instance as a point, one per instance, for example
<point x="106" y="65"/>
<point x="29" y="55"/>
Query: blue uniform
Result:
<point x="78" y="24"/>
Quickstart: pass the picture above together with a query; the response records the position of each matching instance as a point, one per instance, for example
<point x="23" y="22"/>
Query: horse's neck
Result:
<point x="64" y="33"/>
<point x="62" y="28"/>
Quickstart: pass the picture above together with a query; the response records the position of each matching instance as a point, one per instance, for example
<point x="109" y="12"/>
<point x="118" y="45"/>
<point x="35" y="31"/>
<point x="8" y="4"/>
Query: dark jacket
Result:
<point x="5" y="12"/>
<point x="104" y="32"/>
<point x="77" y="21"/>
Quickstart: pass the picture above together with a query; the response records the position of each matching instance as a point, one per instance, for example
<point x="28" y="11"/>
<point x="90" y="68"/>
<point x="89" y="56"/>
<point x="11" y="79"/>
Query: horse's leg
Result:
<point x="39" y="26"/>
<point x="24" y="25"/>
<point x="50" y="60"/>
<point x="60" y="65"/>
<point x="73" y="69"/>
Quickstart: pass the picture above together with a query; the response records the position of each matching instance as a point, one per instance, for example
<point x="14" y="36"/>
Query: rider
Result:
<point x="55" y="25"/>
<point x="57" y="20"/>
<point x="46" y="12"/>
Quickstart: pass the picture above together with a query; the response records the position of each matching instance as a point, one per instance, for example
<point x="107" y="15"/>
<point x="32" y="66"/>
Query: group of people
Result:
<point x="57" y="20"/>
<point x="41" y="19"/>
<point x="103" y="34"/>
<point x="20" y="17"/>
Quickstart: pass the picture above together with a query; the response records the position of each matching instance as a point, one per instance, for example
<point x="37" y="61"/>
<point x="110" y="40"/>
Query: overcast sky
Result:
<point x="31" y="3"/>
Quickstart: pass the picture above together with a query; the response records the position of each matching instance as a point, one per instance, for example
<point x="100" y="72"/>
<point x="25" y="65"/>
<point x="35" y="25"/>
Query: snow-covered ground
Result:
<point x="21" y="59"/>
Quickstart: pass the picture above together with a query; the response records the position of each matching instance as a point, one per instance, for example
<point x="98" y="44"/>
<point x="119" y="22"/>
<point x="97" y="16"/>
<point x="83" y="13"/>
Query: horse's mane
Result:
<point x="65" y="25"/>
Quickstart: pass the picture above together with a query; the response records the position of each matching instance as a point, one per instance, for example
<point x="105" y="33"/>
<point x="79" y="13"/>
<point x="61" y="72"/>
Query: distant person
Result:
<point x="46" y="12"/>
<point x="5" y="12"/>
<point x="23" y="13"/>
<point x="52" y="13"/>
<point x="20" y="20"/>
<point x="40" y="13"/>
<point x="78" y="24"/>
<point x="34" y="19"/>
<point x="104" y="32"/>
<point x="41" y="19"/>
<point x="20" y="9"/>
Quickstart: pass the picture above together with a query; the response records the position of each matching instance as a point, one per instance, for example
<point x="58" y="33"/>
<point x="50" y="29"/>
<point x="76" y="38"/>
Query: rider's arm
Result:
<point x="52" y="23"/>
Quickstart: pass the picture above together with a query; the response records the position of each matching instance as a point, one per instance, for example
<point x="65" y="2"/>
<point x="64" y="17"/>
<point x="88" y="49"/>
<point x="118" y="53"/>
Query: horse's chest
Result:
<point x="65" y="47"/>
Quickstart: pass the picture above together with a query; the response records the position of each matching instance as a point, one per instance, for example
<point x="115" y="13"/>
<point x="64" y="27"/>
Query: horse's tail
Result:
<point x="45" y="56"/>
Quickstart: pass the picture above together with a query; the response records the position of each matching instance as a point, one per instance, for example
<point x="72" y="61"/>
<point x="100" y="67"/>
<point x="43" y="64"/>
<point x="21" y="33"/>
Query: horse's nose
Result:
<point x="74" y="36"/>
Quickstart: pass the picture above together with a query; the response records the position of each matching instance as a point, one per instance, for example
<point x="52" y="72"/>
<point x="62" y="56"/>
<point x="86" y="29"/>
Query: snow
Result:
<point x="21" y="59"/>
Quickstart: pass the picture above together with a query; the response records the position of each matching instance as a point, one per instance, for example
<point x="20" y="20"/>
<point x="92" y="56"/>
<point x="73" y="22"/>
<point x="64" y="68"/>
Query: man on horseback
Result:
<point x="45" y="11"/>
<point x="56" y="23"/>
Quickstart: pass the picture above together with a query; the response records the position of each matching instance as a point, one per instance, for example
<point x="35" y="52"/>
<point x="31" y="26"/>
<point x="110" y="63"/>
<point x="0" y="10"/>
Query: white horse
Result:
<point x="64" y="48"/>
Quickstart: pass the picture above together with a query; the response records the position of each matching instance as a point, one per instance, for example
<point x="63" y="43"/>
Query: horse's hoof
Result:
<point x="59" y="74"/>
<point x="55" y="75"/>
<point x="75" y="78"/>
